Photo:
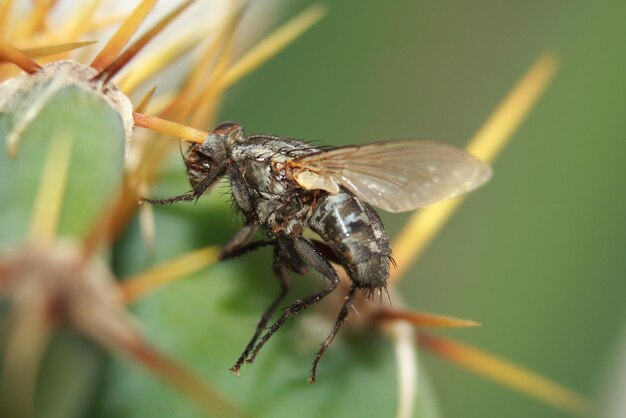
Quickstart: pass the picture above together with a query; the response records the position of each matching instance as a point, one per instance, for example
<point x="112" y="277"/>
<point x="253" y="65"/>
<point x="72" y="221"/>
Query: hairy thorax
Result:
<point x="282" y="207"/>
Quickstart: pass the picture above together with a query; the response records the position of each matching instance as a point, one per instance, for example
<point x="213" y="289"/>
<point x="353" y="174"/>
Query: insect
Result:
<point x="284" y="186"/>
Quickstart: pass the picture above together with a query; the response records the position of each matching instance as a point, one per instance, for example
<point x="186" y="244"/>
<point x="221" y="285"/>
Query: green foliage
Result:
<point x="97" y="152"/>
<point x="71" y="366"/>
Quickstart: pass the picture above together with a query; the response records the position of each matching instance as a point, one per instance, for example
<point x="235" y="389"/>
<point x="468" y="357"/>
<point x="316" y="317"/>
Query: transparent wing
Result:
<point x="399" y="175"/>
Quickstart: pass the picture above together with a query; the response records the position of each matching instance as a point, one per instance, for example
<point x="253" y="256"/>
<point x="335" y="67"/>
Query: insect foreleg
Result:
<point x="241" y="194"/>
<point x="193" y="194"/>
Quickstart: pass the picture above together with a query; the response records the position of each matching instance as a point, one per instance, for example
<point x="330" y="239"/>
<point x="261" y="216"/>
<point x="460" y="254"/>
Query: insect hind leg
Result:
<point x="341" y="319"/>
<point x="285" y="283"/>
<point x="311" y="256"/>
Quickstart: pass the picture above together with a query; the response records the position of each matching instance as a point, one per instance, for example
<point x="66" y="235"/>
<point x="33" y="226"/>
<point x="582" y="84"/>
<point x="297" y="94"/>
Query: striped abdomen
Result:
<point x="355" y="233"/>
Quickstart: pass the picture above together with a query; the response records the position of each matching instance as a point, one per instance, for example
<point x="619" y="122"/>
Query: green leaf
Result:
<point x="69" y="376"/>
<point x="71" y="367"/>
<point x="96" y="160"/>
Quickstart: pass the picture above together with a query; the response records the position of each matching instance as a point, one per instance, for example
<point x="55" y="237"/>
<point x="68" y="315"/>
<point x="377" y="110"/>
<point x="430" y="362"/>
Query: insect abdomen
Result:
<point x="355" y="234"/>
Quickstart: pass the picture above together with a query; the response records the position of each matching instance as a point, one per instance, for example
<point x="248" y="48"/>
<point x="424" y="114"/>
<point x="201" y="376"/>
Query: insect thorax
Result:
<point x="282" y="207"/>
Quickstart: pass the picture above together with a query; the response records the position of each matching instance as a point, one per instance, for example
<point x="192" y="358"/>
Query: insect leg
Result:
<point x="244" y="249"/>
<point x="237" y="245"/>
<point x="240" y="191"/>
<point x="307" y="251"/>
<point x="193" y="194"/>
<point x="341" y="318"/>
<point x="283" y="277"/>
<point x="238" y="241"/>
<point x="326" y="251"/>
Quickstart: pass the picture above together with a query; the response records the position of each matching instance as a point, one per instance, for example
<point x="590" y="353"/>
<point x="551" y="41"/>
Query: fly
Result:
<point x="284" y="186"/>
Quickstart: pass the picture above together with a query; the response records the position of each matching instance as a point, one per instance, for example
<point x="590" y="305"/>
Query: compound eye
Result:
<point x="198" y="157"/>
<point x="225" y="127"/>
<point x="206" y="160"/>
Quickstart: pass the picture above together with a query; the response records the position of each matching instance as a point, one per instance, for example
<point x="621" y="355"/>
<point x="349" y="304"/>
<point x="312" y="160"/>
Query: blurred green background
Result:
<point x="536" y="256"/>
